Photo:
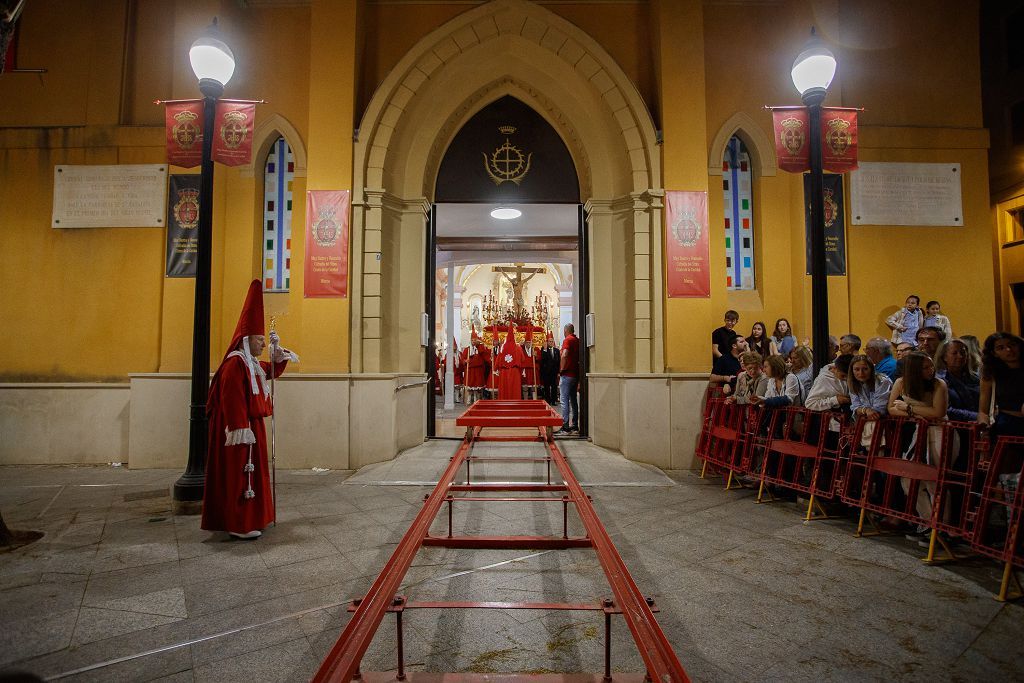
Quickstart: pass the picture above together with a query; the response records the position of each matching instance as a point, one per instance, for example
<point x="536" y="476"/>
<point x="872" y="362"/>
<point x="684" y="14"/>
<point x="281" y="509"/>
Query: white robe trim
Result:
<point x="238" y="437"/>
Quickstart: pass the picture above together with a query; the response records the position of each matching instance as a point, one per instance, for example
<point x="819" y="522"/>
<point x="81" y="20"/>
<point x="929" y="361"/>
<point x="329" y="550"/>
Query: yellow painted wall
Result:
<point x="922" y="101"/>
<point x="78" y="293"/>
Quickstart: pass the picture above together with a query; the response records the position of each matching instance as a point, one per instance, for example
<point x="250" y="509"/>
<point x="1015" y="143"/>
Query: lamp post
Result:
<point x="812" y="73"/>
<point x="213" y="64"/>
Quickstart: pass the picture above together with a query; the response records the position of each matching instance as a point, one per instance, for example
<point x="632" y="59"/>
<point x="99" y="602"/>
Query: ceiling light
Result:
<point x="506" y="213"/>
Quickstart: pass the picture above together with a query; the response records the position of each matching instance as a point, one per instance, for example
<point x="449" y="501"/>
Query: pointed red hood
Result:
<point x="250" y="321"/>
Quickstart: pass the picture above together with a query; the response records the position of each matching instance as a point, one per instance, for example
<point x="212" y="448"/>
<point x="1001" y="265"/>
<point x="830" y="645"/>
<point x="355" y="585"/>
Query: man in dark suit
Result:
<point x="549" y="360"/>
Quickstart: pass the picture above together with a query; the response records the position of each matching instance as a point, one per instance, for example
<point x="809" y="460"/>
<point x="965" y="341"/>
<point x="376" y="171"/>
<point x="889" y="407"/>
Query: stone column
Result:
<point x="449" y="325"/>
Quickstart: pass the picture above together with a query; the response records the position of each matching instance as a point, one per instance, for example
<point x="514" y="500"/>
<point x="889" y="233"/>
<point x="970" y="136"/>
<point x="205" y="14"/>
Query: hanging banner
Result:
<point x="326" y="267"/>
<point x="838" y="140"/>
<point x="835" y="223"/>
<point x="791" y="148"/>
<point x="687" y="253"/>
<point x="183" y="122"/>
<point x="182" y="226"/>
<point x="233" y="126"/>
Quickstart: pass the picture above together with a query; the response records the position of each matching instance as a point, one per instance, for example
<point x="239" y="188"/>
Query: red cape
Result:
<point x="232" y="405"/>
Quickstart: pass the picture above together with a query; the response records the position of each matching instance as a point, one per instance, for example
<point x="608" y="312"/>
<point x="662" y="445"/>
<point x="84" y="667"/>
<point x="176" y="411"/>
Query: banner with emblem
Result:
<point x="326" y="266"/>
<point x="791" y="148"/>
<point x="835" y="223"/>
<point x="838" y="140"/>
<point x="232" y="128"/>
<point x="182" y="225"/>
<point x="688" y="252"/>
<point x="183" y="122"/>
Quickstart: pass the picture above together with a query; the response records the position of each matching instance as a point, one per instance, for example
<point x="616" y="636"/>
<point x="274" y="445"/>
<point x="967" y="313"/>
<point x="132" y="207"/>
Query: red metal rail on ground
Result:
<point x="342" y="662"/>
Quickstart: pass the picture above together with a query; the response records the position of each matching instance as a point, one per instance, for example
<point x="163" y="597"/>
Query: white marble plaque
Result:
<point x="122" y="196"/>
<point x="906" y="194"/>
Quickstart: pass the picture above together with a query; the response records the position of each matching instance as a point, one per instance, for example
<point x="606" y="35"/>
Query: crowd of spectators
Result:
<point x="922" y="370"/>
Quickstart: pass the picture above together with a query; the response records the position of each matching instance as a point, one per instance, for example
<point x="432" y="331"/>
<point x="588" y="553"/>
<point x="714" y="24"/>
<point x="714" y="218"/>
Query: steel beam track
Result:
<point x="342" y="663"/>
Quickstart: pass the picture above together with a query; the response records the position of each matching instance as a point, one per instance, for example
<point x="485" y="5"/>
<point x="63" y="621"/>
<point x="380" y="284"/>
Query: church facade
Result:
<point x="648" y="97"/>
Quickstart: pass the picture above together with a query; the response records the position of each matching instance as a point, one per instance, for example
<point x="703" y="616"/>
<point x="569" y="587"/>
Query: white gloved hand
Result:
<point x="275" y="339"/>
<point x="281" y="354"/>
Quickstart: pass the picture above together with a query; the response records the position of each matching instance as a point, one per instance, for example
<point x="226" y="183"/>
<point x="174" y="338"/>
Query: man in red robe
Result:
<point x="237" y="496"/>
<point x="476" y="359"/>
<point x="509" y="367"/>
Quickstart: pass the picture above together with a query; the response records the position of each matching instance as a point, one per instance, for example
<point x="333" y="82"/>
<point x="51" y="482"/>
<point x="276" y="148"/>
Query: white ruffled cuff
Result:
<point x="281" y="355"/>
<point x="238" y="437"/>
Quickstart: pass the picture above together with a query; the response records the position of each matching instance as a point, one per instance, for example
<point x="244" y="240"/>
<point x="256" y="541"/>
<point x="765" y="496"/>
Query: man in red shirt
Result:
<point x="569" y="377"/>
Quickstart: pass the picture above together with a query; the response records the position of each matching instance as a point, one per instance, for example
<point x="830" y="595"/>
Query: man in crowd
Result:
<point x="721" y="338"/>
<point x="549" y="363"/>
<point x="569" y="377"/>
<point x="849" y="344"/>
<point x="726" y="368"/>
<point x="929" y="338"/>
<point x="880" y="352"/>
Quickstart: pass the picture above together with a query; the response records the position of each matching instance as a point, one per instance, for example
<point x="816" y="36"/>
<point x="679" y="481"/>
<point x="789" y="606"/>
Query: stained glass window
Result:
<point x="278" y="175"/>
<point x="739" y="216"/>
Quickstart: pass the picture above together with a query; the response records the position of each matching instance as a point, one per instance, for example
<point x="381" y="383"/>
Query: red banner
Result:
<point x="791" y="147"/>
<point x="838" y="140"/>
<point x="233" y="126"/>
<point x="183" y="122"/>
<point x="326" y="268"/>
<point x="687" y="255"/>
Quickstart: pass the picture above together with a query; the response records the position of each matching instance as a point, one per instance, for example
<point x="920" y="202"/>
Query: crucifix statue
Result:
<point x="519" y="282"/>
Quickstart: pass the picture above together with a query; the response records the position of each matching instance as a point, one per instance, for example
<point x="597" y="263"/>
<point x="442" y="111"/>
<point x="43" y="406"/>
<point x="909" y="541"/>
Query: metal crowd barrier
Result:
<point x="943" y="476"/>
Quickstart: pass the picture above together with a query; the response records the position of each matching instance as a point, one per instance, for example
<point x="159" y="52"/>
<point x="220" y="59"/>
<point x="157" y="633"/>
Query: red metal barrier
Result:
<point x="958" y="478"/>
<point x="1000" y="512"/>
<point x="901" y="478"/>
<point x="342" y="663"/>
<point x="801" y="453"/>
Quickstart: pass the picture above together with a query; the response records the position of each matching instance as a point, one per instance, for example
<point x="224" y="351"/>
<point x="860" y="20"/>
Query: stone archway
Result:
<point x="507" y="47"/>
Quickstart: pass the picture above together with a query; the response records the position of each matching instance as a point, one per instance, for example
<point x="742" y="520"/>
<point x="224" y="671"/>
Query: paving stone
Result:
<point x="288" y="661"/>
<point x="98" y="624"/>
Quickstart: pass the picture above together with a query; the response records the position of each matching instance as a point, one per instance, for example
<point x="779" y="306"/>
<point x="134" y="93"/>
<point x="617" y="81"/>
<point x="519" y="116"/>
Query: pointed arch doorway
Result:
<point x="519" y="49"/>
<point x="506" y="159"/>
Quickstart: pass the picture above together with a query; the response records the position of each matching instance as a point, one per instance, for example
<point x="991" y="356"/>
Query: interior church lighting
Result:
<point x="213" y="64"/>
<point x="506" y="213"/>
<point x="812" y="73"/>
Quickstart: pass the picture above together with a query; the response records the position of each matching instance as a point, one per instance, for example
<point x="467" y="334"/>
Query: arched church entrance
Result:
<point x="506" y="238"/>
<point x="508" y="50"/>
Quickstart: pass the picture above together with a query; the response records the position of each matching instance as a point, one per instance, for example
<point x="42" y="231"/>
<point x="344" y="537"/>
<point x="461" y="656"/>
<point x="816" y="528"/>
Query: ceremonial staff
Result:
<point x="273" y="425"/>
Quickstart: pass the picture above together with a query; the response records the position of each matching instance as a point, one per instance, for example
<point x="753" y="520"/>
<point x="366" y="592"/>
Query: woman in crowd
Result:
<point x="783" y="386"/>
<point x="869" y="391"/>
<point x="751" y="383"/>
<point x="933" y="317"/>
<point x="801" y="362"/>
<point x="905" y="322"/>
<point x="1002" y="385"/>
<point x="952" y="365"/>
<point x="919" y="393"/>
<point x="759" y="342"/>
<point x="783" y="338"/>
<point x="974" y="353"/>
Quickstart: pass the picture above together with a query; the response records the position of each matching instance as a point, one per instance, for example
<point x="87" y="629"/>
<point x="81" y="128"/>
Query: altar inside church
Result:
<point x="533" y="301"/>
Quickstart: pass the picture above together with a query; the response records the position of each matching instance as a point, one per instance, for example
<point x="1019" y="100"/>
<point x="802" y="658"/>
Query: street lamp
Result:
<point x="213" y="64"/>
<point x="812" y="73"/>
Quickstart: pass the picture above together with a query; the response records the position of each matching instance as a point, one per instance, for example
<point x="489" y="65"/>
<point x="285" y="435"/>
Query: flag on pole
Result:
<point x="183" y="122"/>
<point x="233" y="126"/>
<point x="791" y="147"/>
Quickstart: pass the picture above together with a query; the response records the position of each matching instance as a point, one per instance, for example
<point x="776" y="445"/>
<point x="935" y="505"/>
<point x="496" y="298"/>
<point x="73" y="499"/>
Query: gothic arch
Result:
<point x="263" y="138"/>
<point x="506" y="47"/>
<point x="759" y="145"/>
